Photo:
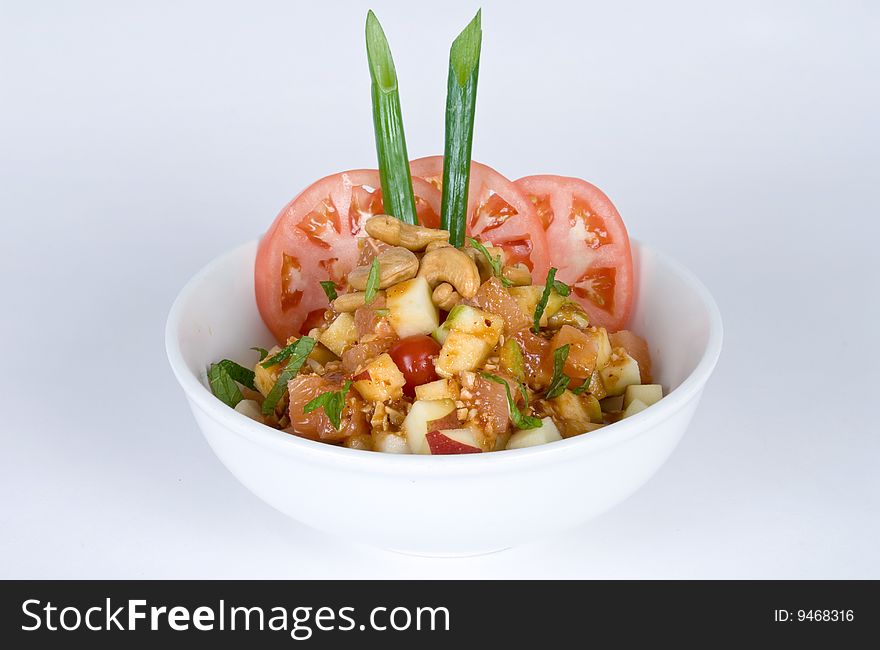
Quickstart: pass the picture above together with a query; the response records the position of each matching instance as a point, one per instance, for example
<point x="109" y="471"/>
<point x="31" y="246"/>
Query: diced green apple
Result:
<point x="473" y="334"/>
<point x="636" y="406"/>
<point x="547" y="432"/>
<point x="575" y="413"/>
<point x="527" y="298"/>
<point x="610" y="404"/>
<point x="341" y="334"/>
<point x="250" y="408"/>
<point x="621" y="371"/>
<point x="461" y="352"/>
<point x="647" y="393"/>
<point x="510" y="360"/>
<point x="381" y="380"/>
<point x="599" y="336"/>
<point x="390" y="443"/>
<point x="415" y="425"/>
<point x="411" y="310"/>
<point x="440" y="389"/>
<point x="265" y="378"/>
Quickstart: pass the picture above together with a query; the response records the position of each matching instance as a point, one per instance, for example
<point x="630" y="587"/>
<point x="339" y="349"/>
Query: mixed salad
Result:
<point x="436" y="307"/>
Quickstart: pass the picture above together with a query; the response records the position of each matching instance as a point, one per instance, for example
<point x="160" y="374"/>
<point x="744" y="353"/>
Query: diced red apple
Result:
<point x="416" y="423"/>
<point x="452" y="441"/>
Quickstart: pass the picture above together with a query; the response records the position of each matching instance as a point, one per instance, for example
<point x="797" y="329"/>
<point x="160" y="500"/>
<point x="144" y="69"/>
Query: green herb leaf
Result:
<point x="372" y="282"/>
<point x="297" y="354"/>
<point x="262" y="351"/>
<point x="588" y="382"/>
<point x="244" y="376"/>
<point x="461" y="100"/>
<point x="382" y="312"/>
<point x="542" y="303"/>
<point x="282" y="355"/>
<point x="397" y="191"/>
<point x="561" y="288"/>
<point x="329" y="287"/>
<point x="333" y="401"/>
<point x="560" y="381"/>
<point x="520" y="421"/>
<point x="223" y="385"/>
<point x="494" y="262"/>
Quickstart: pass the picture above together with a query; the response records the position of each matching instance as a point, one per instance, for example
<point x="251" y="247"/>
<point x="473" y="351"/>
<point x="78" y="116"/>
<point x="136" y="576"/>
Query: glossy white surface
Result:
<point x="740" y="138"/>
<point x="439" y="505"/>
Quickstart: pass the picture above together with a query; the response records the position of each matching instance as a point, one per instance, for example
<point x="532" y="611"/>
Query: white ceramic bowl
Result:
<point x="444" y="505"/>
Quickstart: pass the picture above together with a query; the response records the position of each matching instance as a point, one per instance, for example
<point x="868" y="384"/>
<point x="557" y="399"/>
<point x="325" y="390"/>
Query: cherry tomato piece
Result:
<point x="415" y="356"/>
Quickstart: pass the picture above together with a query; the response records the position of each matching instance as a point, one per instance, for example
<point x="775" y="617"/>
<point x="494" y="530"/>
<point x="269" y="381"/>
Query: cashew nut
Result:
<point x="448" y="264"/>
<point x="395" y="232"/>
<point x="518" y="274"/>
<point x="349" y="302"/>
<point x="434" y="245"/>
<point x="395" y="265"/>
<point x="445" y="296"/>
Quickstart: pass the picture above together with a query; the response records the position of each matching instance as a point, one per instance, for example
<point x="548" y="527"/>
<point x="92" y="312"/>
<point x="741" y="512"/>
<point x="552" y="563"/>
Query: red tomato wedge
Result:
<point x="498" y="212"/>
<point x="314" y="238"/>
<point x="588" y="244"/>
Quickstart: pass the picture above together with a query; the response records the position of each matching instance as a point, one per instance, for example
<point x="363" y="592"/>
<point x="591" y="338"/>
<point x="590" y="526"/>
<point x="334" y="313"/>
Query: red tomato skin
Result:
<point x="314" y="238"/>
<point x="589" y="245"/>
<point x="498" y="212"/>
<point x="415" y="356"/>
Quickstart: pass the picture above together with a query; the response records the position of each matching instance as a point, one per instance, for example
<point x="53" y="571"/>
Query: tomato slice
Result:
<point x="499" y="212"/>
<point x="314" y="238"/>
<point x="588" y="244"/>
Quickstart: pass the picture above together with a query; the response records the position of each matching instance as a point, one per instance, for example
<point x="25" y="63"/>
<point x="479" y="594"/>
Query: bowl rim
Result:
<point x="612" y="435"/>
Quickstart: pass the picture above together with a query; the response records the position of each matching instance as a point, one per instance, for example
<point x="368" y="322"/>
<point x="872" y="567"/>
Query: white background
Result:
<point x="142" y="139"/>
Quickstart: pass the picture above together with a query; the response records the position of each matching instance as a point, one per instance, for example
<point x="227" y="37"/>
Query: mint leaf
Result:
<point x="583" y="387"/>
<point x="298" y="352"/>
<point x="520" y="421"/>
<point x="223" y="385"/>
<point x="542" y="303"/>
<point x="244" y="376"/>
<point x="332" y="401"/>
<point x="282" y="355"/>
<point x="560" y="381"/>
<point x="329" y="288"/>
<point x="262" y="351"/>
<point x="561" y="288"/>
<point x="494" y="262"/>
<point x="372" y="282"/>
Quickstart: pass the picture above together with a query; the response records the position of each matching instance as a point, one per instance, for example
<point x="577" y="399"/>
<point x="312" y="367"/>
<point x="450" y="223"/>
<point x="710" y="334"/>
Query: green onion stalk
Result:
<point x="397" y="191"/>
<point x="461" y="99"/>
